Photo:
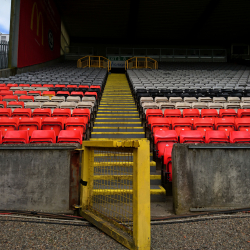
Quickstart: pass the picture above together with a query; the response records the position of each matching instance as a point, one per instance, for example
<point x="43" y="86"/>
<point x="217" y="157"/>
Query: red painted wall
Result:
<point x="39" y="32"/>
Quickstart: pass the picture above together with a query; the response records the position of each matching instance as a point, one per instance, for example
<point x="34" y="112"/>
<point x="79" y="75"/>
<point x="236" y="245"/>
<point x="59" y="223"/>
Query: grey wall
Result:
<point x="210" y="176"/>
<point x="38" y="177"/>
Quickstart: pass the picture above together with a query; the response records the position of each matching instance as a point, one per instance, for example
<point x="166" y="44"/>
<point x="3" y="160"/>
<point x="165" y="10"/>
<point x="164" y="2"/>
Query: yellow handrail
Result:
<point x="140" y="62"/>
<point x="94" y="61"/>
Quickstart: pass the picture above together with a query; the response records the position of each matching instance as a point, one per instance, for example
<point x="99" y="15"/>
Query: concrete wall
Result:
<point x="39" y="177"/>
<point x="210" y="177"/>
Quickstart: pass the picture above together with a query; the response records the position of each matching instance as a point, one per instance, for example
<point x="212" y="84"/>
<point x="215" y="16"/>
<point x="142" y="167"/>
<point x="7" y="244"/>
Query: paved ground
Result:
<point x="230" y="233"/>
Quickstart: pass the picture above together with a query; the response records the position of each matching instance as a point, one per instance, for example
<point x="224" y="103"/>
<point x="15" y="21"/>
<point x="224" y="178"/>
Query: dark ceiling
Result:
<point x="156" y="21"/>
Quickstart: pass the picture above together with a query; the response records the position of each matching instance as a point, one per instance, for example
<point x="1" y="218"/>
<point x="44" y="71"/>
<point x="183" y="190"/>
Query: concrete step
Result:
<point x="117" y="115"/>
<point x="117" y="124"/>
<point x="118" y="129"/>
<point x="121" y="120"/>
<point x="116" y="135"/>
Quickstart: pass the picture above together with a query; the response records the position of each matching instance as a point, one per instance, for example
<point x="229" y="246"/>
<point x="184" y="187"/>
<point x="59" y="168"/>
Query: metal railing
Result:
<point x="115" y="190"/>
<point x="170" y="54"/>
<point x="141" y="63"/>
<point x="94" y="61"/>
<point x="4" y="53"/>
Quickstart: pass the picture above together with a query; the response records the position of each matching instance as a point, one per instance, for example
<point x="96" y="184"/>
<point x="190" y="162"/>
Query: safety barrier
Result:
<point x="115" y="190"/>
<point x="141" y="63"/>
<point x="94" y="62"/>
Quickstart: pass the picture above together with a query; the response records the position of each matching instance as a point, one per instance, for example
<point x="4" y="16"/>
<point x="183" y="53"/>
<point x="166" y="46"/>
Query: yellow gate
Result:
<point x="115" y="190"/>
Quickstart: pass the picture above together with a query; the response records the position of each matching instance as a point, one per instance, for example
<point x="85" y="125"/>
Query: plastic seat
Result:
<point x="36" y="85"/>
<point x="190" y="113"/>
<point x="49" y="93"/>
<point x="77" y="123"/>
<point x="30" y="124"/>
<point x="159" y="123"/>
<point x="77" y="93"/>
<point x="215" y="136"/>
<point x="171" y="113"/>
<point x="21" y="112"/>
<point x="61" y="113"/>
<point x="167" y="161"/>
<point x="34" y="93"/>
<point x="6" y="112"/>
<point x="8" y="124"/>
<point x="225" y="124"/>
<point x="43" y="136"/>
<point x="154" y="113"/>
<point x="180" y="124"/>
<point x="91" y="94"/>
<point x="63" y="93"/>
<point x="16" y="137"/>
<point x="14" y="105"/>
<point x="6" y="92"/>
<point x="85" y="105"/>
<point x="82" y="113"/>
<point x="10" y="98"/>
<point x="53" y="123"/>
<point x="41" y="113"/>
<point x="1" y="137"/>
<point x="239" y="137"/>
<point x="203" y="124"/>
<point x="242" y="124"/>
<point x="194" y="136"/>
<point x="162" y="139"/>
<point x="227" y="113"/>
<point x="70" y="136"/>
<point x="205" y="113"/>
<point x="243" y="113"/>
<point x="20" y="92"/>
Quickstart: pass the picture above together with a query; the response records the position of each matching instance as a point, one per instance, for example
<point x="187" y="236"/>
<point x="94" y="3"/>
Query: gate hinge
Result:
<point x="84" y="183"/>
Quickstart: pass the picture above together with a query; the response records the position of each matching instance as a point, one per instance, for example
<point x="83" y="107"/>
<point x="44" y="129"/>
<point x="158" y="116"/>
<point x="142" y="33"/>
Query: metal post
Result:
<point x="141" y="196"/>
<point x="136" y="62"/>
<point x="99" y="61"/>
<point x="146" y="62"/>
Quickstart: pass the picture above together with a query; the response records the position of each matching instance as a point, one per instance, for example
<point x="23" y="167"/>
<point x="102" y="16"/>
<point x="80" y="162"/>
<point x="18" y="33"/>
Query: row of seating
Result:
<point x="196" y="113"/>
<point x="44" y="123"/>
<point x="164" y="141"/>
<point x="41" y="136"/>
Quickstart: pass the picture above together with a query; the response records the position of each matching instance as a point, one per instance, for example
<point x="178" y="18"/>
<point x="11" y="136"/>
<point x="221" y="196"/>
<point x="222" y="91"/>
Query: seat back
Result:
<point x="160" y="122"/>
<point x="205" y="113"/>
<point x="61" y="113"/>
<point x="22" y="112"/>
<point x="81" y="113"/>
<point x="170" y="113"/>
<point x="227" y="113"/>
<point x="225" y="124"/>
<point x="203" y="124"/>
<point x="239" y="137"/>
<point x="153" y="112"/>
<point x="167" y="161"/>
<point x="193" y="136"/>
<point x="243" y="113"/>
<point x="16" y="137"/>
<point x="30" y="124"/>
<point x="215" y="136"/>
<point x="77" y="123"/>
<point x="43" y="136"/>
<point x="190" y="113"/>
<point x="180" y="124"/>
<point x="242" y="124"/>
<point x="41" y="112"/>
<point x="6" y="112"/>
<point x="53" y="123"/>
<point x="70" y="136"/>
<point x="8" y="124"/>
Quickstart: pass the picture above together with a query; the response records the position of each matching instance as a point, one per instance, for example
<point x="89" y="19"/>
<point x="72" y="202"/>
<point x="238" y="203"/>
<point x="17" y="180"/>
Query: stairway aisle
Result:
<point x="117" y="116"/>
<point x="118" y="119"/>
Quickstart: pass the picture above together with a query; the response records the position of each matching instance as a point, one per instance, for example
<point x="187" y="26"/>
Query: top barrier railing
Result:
<point x="94" y="62"/>
<point x="141" y="63"/>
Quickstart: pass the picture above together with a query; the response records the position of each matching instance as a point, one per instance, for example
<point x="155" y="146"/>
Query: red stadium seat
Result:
<point x="70" y="136"/>
<point x="72" y="86"/>
<point x="193" y="136"/>
<point x="48" y="85"/>
<point x="1" y="137"/>
<point x="63" y="93"/>
<point x="227" y="113"/>
<point x="60" y="86"/>
<point x="77" y="93"/>
<point x="30" y="124"/>
<point x="242" y="124"/>
<point x="1" y="98"/>
<point x="14" y="105"/>
<point x="6" y="112"/>
<point x="26" y="97"/>
<point x="41" y="113"/>
<point x="10" y="98"/>
<point x="91" y="94"/>
<point x="6" y="92"/>
<point x="8" y="124"/>
<point x="215" y="136"/>
<point x="162" y="139"/>
<point x="20" y="93"/>
<point x="167" y="161"/>
<point x="2" y="85"/>
<point x="172" y="113"/>
<point x="190" y="113"/>
<point x="12" y="85"/>
<point x="21" y="112"/>
<point x="61" y="113"/>
<point x="206" y="113"/>
<point x="180" y="124"/>
<point x="53" y="123"/>
<point x="82" y="113"/>
<point x="16" y="137"/>
<point x="95" y="87"/>
<point x="224" y="124"/>
<point x="154" y="113"/>
<point x="36" y="85"/>
<point x="43" y="136"/>
<point x="243" y="113"/>
<point x="24" y="85"/>
<point x="49" y="93"/>
<point x="204" y="124"/>
<point x="77" y="123"/>
<point x="84" y="88"/>
<point x="239" y="137"/>
<point x="3" y="104"/>
<point x="159" y="123"/>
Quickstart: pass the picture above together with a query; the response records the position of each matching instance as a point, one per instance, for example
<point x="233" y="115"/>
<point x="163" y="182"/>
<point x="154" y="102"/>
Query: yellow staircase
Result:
<point x="118" y="119"/>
